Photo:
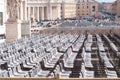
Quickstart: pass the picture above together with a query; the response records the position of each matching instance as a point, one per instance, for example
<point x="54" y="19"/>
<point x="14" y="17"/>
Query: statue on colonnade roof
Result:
<point x="13" y="10"/>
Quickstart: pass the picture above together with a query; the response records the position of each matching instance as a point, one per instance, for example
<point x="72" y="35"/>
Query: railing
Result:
<point x="58" y="78"/>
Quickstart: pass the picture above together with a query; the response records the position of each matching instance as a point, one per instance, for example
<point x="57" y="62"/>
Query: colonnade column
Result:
<point x="33" y="12"/>
<point x="42" y="13"/>
<point x="21" y="9"/>
<point x="38" y="12"/>
<point x="51" y="12"/>
<point x="48" y="12"/>
<point x="28" y="17"/>
<point x="59" y="11"/>
<point x="25" y="10"/>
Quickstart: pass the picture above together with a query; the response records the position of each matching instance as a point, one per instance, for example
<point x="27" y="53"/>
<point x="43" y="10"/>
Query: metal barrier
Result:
<point x="58" y="78"/>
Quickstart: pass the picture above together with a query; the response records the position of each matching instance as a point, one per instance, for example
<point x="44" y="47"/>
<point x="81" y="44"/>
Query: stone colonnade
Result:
<point x="43" y="12"/>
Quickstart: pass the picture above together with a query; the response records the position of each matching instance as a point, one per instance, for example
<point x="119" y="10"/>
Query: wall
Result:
<point x="25" y="29"/>
<point x="69" y="10"/>
<point x="93" y="31"/>
<point x="2" y="18"/>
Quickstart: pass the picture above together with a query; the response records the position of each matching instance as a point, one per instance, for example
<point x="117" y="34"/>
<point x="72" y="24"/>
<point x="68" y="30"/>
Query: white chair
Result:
<point x="63" y="74"/>
<point x="70" y="58"/>
<point x="3" y="73"/>
<point x="13" y="74"/>
<point x="42" y="73"/>
<point x="19" y="70"/>
<point x="99" y="40"/>
<point x="48" y="65"/>
<point x="85" y="73"/>
<point x="101" y="47"/>
<point x="55" y="53"/>
<point x="111" y="74"/>
<point x="25" y="65"/>
<point x="32" y="72"/>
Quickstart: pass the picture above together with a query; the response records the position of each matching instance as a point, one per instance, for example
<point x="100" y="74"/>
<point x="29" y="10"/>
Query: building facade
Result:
<point x="58" y="9"/>
<point x="108" y="8"/>
<point x="2" y="20"/>
<point x="116" y="8"/>
<point x="54" y="9"/>
<point x="68" y="9"/>
<point x="43" y="9"/>
<point x="87" y="8"/>
<point x="47" y="10"/>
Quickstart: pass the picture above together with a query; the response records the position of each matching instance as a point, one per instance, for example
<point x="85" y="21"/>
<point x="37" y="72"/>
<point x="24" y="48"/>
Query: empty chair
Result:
<point x="14" y="74"/>
<point x="105" y="60"/>
<point x="63" y="74"/>
<point x="113" y="47"/>
<point x="78" y="44"/>
<point x="86" y="73"/>
<point x="3" y="73"/>
<point x="88" y="46"/>
<point x="33" y="71"/>
<point x="25" y="65"/>
<point x="69" y="58"/>
<point x="55" y="53"/>
<point x="87" y="59"/>
<point x="41" y="72"/>
<point x="89" y="38"/>
<point x="108" y="64"/>
<point x="47" y="64"/>
<point x="111" y="74"/>
<point x="99" y="40"/>
<point x="101" y="47"/>
<point x="19" y="70"/>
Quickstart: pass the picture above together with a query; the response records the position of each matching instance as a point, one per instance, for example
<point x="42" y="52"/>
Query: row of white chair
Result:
<point x="111" y="74"/>
<point x="47" y="49"/>
<point x="78" y="44"/>
<point x="88" y="43"/>
<point x="86" y="73"/>
<point x="100" y="44"/>
<point x="112" y="45"/>
<point x="87" y="59"/>
<point x="69" y="58"/>
<point x="63" y="73"/>
<point x="105" y="60"/>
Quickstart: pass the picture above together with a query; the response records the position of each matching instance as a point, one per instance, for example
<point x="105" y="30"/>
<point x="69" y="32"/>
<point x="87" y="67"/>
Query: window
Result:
<point x="87" y="7"/>
<point x="1" y="18"/>
<point x="2" y="36"/>
<point x="93" y="8"/>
